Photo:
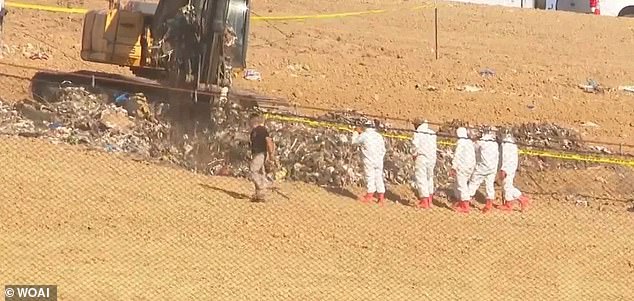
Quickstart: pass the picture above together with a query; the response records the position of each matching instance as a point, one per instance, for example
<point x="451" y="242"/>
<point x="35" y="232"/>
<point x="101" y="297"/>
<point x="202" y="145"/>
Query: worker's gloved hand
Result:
<point x="452" y="173"/>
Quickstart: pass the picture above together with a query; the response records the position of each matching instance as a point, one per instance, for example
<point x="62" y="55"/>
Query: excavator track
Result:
<point x="46" y="84"/>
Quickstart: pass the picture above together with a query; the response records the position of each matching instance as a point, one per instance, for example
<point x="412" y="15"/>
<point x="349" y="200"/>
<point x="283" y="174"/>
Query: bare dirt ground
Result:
<point x="105" y="227"/>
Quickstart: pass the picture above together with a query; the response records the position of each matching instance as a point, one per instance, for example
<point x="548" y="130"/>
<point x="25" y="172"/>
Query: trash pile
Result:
<point x="319" y="155"/>
<point x="325" y="156"/>
<point x="30" y="51"/>
<point x="80" y="117"/>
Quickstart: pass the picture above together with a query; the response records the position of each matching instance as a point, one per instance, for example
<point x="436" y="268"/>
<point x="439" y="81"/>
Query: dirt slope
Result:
<point x="104" y="227"/>
<point x="375" y="62"/>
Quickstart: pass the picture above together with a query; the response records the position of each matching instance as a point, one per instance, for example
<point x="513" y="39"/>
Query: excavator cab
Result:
<point x="192" y="43"/>
<point x="116" y="36"/>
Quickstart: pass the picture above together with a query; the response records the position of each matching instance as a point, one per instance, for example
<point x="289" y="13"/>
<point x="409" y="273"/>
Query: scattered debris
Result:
<point x="537" y="135"/>
<point x="116" y="119"/>
<point x="627" y="88"/>
<point x="80" y="117"/>
<point x="298" y="68"/>
<point x="39" y="56"/>
<point x="470" y="88"/>
<point x="589" y="124"/>
<point x="28" y="51"/>
<point x="487" y="72"/>
<point x="32" y="52"/>
<point x="251" y="74"/>
<point x="591" y="86"/>
<point x="601" y="149"/>
<point x="601" y="180"/>
<point x="136" y="105"/>
<point x="583" y="203"/>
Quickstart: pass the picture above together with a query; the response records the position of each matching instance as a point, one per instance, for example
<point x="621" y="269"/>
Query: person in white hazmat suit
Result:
<point x="373" y="153"/>
<point x="425" y="148"/>
<point x="509" y="163"/>
<point x="487" y="160"/>
<point x="462" y="167"/>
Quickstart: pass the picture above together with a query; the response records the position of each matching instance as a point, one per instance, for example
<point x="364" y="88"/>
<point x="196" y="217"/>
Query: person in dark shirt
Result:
<point x="262" y="152"/>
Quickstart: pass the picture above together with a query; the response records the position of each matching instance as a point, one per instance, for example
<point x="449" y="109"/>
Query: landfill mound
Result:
<point x="312" y="154"/>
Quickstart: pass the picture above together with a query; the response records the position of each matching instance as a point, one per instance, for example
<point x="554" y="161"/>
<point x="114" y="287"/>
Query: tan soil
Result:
<point x="105" y="227"/>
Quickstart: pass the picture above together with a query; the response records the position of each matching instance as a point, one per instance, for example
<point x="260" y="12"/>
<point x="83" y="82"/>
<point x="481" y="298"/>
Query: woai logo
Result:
<point x="30" y="292"/>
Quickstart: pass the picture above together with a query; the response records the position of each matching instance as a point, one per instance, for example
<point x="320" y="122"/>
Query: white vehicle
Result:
<point x="507" y="3"/>
<point x="616" y="8"/>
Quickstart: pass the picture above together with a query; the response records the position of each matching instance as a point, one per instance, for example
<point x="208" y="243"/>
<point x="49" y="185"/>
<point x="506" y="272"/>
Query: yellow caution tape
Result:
<point x="271" y="18"/>
<point x="526" y="152"/>
<point x="46" y="8"/>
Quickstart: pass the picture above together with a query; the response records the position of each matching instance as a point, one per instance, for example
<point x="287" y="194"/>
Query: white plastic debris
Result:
<point x="470" y="88"/>
<point x="251" y="74"/>
<point x="487" y="72"/>
<point x="589" y="124"/>
<point x="591" y="86"/>
<point x="627" y="88"/>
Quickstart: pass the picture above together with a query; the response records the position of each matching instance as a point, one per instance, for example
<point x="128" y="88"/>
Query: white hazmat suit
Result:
<point x="424" y="142"/>
<point x="510" y="161"/>
<point x="508" y="169"/>
<point x="463" y="163"/>
<point x="487" y="160"/>
<point x="373" y="153"/>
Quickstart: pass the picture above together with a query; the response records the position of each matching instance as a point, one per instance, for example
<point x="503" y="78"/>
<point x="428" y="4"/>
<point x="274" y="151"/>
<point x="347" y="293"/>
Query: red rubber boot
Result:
<point x="507" y="206"/>
<point x="367" y="198"/>
<point x="523" y="202"/>
<point x="461" y="206"/>
<point x="487" y="206"/>
<point x="425" y="203"/>
<point x="381" y="199"/>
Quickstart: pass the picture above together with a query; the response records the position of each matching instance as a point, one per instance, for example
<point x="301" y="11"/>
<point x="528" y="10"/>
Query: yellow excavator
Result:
<point x="192" y="44"/>
<point x="179" y="51"/>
